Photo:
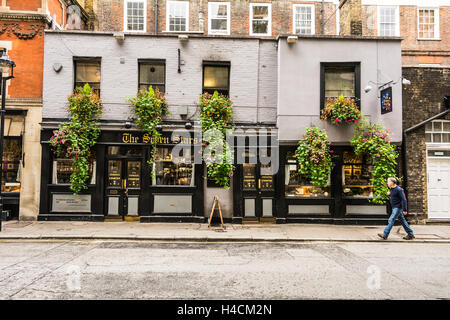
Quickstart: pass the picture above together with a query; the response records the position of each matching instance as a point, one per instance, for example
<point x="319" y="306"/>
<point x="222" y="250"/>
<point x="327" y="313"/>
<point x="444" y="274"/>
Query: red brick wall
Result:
<point x="29" y="57"/>
<point x="55" y="7"/>
<point x="110" y="16"/>
<point x="26" y="5"/>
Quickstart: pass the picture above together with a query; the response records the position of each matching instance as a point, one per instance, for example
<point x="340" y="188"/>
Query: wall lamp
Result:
<point x="183" y="37"/>
<point x="368" y="88"/>
<point x="292" y="39"/>
<point x="119" y="36"/>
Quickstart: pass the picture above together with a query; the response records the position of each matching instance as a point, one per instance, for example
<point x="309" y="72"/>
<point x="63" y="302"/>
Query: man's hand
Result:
<point x="388" y="193"/>
<point x="405" y="213"/>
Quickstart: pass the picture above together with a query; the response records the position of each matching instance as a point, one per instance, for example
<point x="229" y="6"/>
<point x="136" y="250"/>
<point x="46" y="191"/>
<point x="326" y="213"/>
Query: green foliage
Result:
<point x="341" y="110"/>
<point x="374" y="140"/>
<point x="216" y="116"/>
<point x="76" y="138"/>
<point x="314" y="156"/>
<point x="149" y="108"/>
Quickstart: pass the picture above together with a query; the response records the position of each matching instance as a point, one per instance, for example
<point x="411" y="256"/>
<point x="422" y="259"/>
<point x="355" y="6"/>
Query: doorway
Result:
<point x="123" y="182"/>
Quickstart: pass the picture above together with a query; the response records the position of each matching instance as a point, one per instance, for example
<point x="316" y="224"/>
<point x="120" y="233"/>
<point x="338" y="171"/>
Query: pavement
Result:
<point x="198" y="232"/>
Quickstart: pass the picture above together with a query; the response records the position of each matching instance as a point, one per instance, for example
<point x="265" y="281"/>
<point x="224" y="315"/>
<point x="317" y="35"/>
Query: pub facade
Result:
<point x="277" y="87"/>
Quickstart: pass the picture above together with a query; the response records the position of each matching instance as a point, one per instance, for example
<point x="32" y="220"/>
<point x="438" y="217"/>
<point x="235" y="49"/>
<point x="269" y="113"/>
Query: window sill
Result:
<point x="429" y="39"/>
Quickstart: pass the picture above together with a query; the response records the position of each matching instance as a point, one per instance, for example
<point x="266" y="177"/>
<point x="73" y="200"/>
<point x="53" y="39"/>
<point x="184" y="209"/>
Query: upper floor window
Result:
<point x="216" y="77"/>
<point x="87" y="70"/>
<point x="177" y="16"/>
<point x="339" y="79"/>
<point x="388" y="21"/>
<point x="260" y="19"/>
<point x="437" y="131"/>
<point x="428" y="23"/>
<point x="304" y="19"/>
<point x="219" y="18"/>
<point x="152" y="73"/>
<point x="135" y="13"/>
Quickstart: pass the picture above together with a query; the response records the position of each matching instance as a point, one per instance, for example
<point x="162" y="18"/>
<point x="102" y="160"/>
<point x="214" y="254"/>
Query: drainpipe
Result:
<point x="156" y="17"/>
<point x="405" y="178"/>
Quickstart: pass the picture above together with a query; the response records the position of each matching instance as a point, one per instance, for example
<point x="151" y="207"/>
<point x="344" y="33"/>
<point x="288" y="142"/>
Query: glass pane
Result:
<point x="249" y="174"/>
<point x="437" y="137"/>
<point x="446" y="126"/>
<point x="446" y="137"/>
<point x="219" y="24"/>
<point x="339" y="81"/>
<point x="437" y="126"/>
<point x="114" y="173"/>
<point x="12" y="165"/>
<point x="124" y="151"/>
<point x="260" y="27"/>
<point x="356" y="175"/>
<point x="260" y="12"/>
<point x="173" y="171"/>
<point x="87" y="71"/>
<point x="215" y="77"/>
<point x="151" y="73"/>
<point x="298" y="186"/>
<point x="427" y="137"/>
<point x="266" y="180"/>
<point x="428" y="126"/>
<point x="134" y="174"/>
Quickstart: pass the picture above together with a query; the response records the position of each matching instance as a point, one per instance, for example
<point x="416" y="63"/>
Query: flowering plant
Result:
<point x="375" y="141"/>
<point x="341" y="110"/>
<point x="216" y="116"/>
<point x="314" y="156"/>
<point x="149" y="108"/>
<point x="75" y="139"/>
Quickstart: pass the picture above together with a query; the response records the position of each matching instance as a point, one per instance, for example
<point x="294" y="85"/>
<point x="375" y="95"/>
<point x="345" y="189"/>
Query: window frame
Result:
<point x="356" y="65"/>
<point x="86" y="59"/>
<point x="125" y="16"/>
<point x="152" y="61"/>
<point x="436" y="23"/>
<point x="169" y="4"/>
<point x="313" y="16"/>
<point x="396" y="22"/>
<point x="215" y="64"/>
<point x="219" y="32"/>
<point x="269" y="19"/>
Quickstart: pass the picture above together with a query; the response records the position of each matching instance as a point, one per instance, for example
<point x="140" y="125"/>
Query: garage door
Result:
<point x="438" y="188"/>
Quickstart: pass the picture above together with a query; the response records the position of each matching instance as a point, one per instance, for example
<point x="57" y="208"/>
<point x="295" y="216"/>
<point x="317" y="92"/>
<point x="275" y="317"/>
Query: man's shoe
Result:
<point x="382" y="235"/>
<point x="408" y="237"/>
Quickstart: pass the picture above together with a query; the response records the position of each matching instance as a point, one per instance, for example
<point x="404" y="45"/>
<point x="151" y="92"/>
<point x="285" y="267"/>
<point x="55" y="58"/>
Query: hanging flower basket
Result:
<point x="341" y="110"/>
<point x="314" y="156"/>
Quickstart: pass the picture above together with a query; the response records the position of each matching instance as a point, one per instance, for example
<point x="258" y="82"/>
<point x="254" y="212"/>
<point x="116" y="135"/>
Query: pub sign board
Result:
<point x="386" y="100"/>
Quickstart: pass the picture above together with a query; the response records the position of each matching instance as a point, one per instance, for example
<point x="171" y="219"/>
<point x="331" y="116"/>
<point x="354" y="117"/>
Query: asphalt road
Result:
<point x="145" y="270"/>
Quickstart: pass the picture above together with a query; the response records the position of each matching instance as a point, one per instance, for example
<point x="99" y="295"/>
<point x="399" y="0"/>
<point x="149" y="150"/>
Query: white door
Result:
<point x="438" y="188"/>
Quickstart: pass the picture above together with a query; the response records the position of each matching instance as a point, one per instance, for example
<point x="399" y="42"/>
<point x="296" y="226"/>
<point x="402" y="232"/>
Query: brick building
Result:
<point x="22" y="25"/>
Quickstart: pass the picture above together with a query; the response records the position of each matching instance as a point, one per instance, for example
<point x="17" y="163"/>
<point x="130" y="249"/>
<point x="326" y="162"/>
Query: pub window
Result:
<point x="304" y="19"/>
<point x="152" y="73"/>
<point x="219" y="18"/>
<point x="297" y="185"/>
<point x="388" y="21"/>
<point x="216" y="77"/>
<point x="428" y="24"/>
<point x="339" y="79"/>
<point x="437" y="131"/>
<point x="62" y="169"/>
<point x="177" y="16"/>
<point x="170" y="172"/>
<point x="88" y="71"/>
<point x="12" y="164"/>
<point x="261" y="19"/>
<point x="356" y="176"/>
<point x="135" y="15"/>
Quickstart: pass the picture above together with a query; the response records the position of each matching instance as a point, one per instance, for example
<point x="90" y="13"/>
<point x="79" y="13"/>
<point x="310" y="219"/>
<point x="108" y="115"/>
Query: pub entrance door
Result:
<point x="123" y="182"/>
<point x="258" y="191"/>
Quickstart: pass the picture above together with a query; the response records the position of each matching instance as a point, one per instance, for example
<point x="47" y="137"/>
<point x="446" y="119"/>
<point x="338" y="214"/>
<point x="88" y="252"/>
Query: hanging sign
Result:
<point x="386" y="100"/>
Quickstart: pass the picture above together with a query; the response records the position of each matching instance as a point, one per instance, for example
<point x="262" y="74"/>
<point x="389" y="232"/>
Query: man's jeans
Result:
<point x="397" y="214"/>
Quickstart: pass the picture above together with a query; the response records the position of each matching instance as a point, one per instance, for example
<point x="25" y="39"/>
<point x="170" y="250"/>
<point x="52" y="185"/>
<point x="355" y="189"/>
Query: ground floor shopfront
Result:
<point x="265" y="186"/>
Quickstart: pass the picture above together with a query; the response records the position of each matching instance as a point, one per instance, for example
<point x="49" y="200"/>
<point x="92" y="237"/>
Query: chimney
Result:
<point x="351" y="18"/>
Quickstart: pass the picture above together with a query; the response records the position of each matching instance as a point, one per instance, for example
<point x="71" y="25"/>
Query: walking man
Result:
<point x="397" y="199"/>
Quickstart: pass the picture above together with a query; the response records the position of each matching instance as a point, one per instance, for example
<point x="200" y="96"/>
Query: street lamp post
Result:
<point x="6" y="66"/>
